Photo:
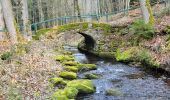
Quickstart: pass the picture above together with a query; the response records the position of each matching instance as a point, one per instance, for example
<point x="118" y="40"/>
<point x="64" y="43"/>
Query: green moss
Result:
<point x="68" y="75"/>
<point x="141" y="31"/>
<point x="86" y="66"/>
<point x="73" y="26"/>
<point x="113" y="92"/>
<point x="84" y="26"/>
<point x="105" y="27"/>
<point x="166" y="30"/>
<point x="57" y="81"/>
<point x="92" y="76"/>
<point x="71" y="63"/>
<point x="106" y="54"/>
<point x="63" y="58"/>
<point x="71" y="92"/>
<point x="59" y="95"/>
<point x="6" y="56"/>
<point x="151" y="18"/>
<point x="67" y="53"/>
<point x="123" y="56"/>
<point x="135" y="54"/>
<point x="73" y="88"/>
<point x="71" y="68"/>
<point x="66" y="94"/>
<point x="41" y="32"/>
<point x="83" y="86"/>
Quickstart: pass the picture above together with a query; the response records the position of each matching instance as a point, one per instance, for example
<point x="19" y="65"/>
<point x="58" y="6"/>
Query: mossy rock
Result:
<point x="41" y="32"/>
<point x="6" y="56"/>
<point x="63" y="58"/>
<point x="92" y="76"/>
<point x="124" y="56"/>
<point x="68" y="75"/>
<point x="67" y="53"/>
<point x="136" y="55"/>
<point x="71" y="92"/>
<point x="83" y="86"/>
<point x="71" y="63"/>
<point x="113" y="92"/>
<point x="66" y="94"/>
<point x="71" y="68"/>
<point x="87" y="66"/>
<point x="166" y="30"/>
<point x="57" y="81"/>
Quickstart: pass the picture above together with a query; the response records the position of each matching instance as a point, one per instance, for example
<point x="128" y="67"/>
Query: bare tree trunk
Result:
<point x="26" y="23"/>
<point x="9" y="20"/>
<point x="2" y="26"/>
<point x="41" y="13"/>
<point x="167" y="3"/>
<point x="145" y="11"/>
<point x="77" y="8"/>
<point x="127" y="5"/>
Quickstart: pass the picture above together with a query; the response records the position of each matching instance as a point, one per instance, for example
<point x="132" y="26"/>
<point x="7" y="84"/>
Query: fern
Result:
<point x="142" y="30"/>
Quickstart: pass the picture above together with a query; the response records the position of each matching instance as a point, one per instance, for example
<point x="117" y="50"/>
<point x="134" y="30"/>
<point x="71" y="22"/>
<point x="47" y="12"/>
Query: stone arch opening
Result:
<point x="88" y="43"/>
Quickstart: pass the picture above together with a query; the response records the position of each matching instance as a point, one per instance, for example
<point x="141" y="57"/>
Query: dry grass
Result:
<point x="26" y="76"/>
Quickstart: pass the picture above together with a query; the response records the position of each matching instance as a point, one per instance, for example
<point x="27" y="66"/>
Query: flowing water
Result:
<point x="134" y="83"/>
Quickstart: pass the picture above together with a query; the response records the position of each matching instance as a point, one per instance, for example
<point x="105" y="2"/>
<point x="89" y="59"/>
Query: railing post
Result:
<point x="34" y="27"/>
<point x="65" y="20"/>
<point x="107" y="18"/>
<point x="97" y="17"/>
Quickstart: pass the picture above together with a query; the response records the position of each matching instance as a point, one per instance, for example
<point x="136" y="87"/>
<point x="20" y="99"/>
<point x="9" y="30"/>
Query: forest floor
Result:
<point x="26" y="75"/>
<point x="161" y="19"/>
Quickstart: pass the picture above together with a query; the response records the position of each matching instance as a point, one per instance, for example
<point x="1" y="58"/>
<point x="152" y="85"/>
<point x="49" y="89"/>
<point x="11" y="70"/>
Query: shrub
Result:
<point x="6" y="56"/>
<point x="142" y="30"/>
<point x="164" y="12"/>
<point x="40" y="32"/>
<point x="166" y="30"/>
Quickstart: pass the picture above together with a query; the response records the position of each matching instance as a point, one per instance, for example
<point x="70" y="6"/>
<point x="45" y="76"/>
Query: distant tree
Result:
<point x="26" y="22"/>
<point x="9" y="20"/>
<point x="2" y="25"/>
<point x="167" y="3"/>
<point x="147" y="11"/>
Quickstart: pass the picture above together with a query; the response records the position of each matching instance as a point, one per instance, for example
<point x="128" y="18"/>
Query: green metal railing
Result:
<point x="96" y="16"/>
<point x="64" y="19"/>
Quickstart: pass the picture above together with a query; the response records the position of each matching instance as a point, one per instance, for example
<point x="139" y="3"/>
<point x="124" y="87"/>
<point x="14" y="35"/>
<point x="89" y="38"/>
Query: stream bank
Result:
<point x="119" y="81"/>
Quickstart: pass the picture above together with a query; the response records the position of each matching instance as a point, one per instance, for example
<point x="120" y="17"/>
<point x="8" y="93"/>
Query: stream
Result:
<point x="133" y="82"/>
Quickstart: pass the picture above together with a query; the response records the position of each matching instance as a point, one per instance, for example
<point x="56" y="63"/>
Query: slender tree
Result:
<point x="26" y="22"/>
<point x="147" y="12"/>
<point x="9" y="20"/>
<point x="2" y="25"/>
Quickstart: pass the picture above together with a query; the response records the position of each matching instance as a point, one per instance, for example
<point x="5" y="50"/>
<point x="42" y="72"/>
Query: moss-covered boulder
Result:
<point x="71" y="92"/>
<point x="66" y="94"/>
<point x="83" y="86"/>
<point x="113" y="92"/>
<point x="63" y="58"/>
<point x="68" y="75"/>
<point x="136" y="55"/>
<point x="67" y="53"/>
<point x="92" y="76"/>
<point x="71" y="68"/>
<point x="166" y="30"/>
<point x="125" y="55"/>
<point x="57" y="81"/>
<point x="71" y="63"/>
<point x="87" y="66"/>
